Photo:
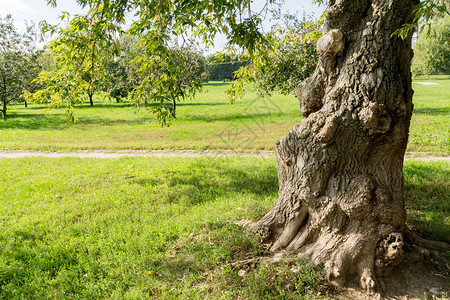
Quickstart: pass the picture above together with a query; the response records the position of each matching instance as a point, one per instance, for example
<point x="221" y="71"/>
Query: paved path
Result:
<point x="167" y="153"/>
<point x="426" y="83"/>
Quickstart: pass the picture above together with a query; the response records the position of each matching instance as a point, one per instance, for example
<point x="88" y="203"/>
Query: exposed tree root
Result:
<point x="376" y="284"/>
<point x="426" y="244"/>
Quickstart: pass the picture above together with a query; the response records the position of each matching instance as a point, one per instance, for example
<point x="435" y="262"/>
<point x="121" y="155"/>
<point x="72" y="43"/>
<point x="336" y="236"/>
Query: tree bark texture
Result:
<point x="340" y="170"/>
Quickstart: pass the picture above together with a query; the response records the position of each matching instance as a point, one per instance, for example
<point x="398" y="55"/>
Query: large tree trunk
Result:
<point x="340" y="170"/>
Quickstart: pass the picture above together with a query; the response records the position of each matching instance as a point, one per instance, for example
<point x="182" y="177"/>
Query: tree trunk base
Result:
<point x="420" y="258"/>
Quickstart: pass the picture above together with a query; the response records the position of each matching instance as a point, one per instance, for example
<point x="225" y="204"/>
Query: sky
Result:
<point x="37" y="10"/>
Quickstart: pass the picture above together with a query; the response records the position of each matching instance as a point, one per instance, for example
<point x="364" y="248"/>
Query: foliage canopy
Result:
<point x="18" y="62"/>
<point x="161" y="25"/>
<point x="287" y="57"/>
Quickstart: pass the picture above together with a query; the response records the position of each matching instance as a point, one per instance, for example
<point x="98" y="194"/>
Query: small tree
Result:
<point x="167" y="78"/>
<point x="17" y="62"/>
<point x="80" y="58"/>
<point x="286" y="58"/>
<point x="136" y="73"/>
<point x="116" y="80"/>
<point x="121" y="70"/>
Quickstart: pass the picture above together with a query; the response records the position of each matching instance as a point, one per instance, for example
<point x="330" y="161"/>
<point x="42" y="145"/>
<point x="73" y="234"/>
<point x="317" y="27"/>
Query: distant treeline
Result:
<point x="223" y="70"/>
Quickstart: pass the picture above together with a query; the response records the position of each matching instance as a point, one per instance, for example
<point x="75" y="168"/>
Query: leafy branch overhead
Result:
<point x="166" y="73"/>
<point x="287" y="57"/>
<point x="80" y="51"/>
<point x="424" y="13"/>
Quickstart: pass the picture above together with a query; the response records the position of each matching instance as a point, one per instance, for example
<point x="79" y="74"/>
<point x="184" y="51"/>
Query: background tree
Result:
<point x="127" y="72"/>
<point x="432" y="53"/>
<point x="167" y="78"/>
<point x="80" y="57"/>
<point x="222" y="67"/>
<point x="116" y="82"/>
<point x="120" y="68"/>
<point x="18" y="62"/>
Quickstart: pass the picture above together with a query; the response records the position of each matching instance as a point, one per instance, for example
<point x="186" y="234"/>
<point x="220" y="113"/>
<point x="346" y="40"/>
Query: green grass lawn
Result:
<point x="133" y="228"/>
<point x="430" y="125"/>
<point x="206" y="122"/>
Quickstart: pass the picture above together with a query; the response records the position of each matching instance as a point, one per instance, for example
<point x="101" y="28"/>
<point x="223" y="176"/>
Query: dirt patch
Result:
<point x="425" y="83"/>
<point x="414" y="281"/>
<point x="135" y="153"/>
<point x="166" y="153"/>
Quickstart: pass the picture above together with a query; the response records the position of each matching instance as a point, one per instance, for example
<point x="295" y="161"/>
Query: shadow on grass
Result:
<point x="432" y="111"/>
<point x="427" y="199"/>
<point x="202" y="181"/>
<point x="224" y="84"/>
<point x="59" y="121"/>
<point x="108" y="105"/>
<point x="34" y="122"/>
<point x="233" y="117"/>
<point x="424" y="77"/>
<point x="181" y="104"/>
<point x="87" y="123"/>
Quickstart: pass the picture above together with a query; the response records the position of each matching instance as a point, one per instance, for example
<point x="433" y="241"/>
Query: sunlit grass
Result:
<point x="160" y="228"/>
<point x="427" y="196"/>
<point x="430" y="125"/>
<point x="133" y="227"/>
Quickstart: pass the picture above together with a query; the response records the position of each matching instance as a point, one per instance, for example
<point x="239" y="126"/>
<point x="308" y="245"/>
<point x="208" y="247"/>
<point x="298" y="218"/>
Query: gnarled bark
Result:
<point x="340" y="170"/>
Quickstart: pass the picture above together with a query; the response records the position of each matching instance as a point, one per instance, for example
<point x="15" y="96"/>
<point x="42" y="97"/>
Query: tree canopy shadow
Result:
<point x="216" y="83"/>
<point x="231" y="117"/>
<point x="181" y="104"/>
<point x="34" y="122"/>
<point x="87" y="106"/>
<point x="432" y="111"/>
<point x="202" y="181"/>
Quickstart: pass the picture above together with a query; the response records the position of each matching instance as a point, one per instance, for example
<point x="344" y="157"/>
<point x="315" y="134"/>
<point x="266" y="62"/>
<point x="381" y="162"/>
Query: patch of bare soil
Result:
<point x="428" y="279"/>
<point x="425" y="83"/>
<point x="136" y="153"/>
<point x="166" y="153"/>
<point x="423" y="275"/>
<point x="414" y="280"/>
